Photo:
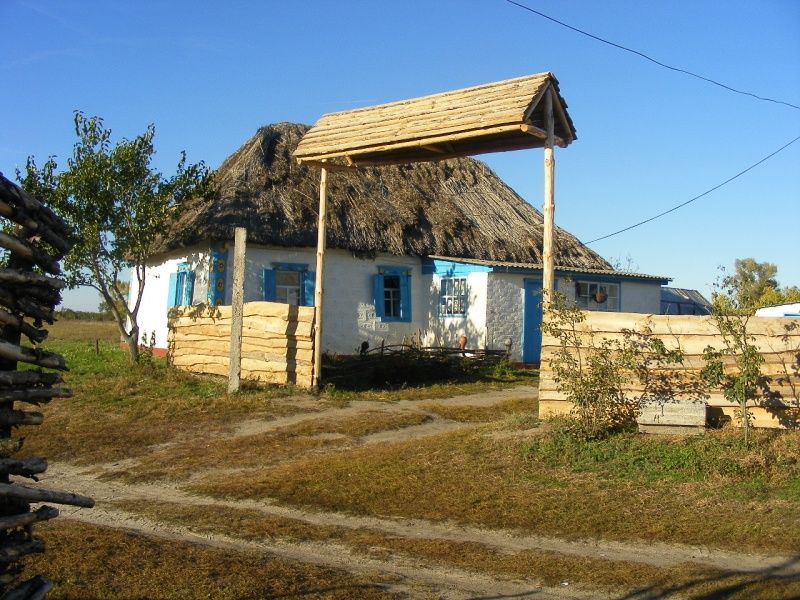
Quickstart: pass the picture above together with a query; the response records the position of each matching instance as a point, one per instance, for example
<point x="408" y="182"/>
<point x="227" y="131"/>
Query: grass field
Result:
<point x="346" y="466"/>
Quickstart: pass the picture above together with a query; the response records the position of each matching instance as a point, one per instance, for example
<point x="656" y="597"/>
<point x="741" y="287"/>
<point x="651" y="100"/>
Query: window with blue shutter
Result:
<point x="391" y="292"/>
<point x="289" y="283"/>
<point x="172" y="295"/>
<point x="181" y="286"/>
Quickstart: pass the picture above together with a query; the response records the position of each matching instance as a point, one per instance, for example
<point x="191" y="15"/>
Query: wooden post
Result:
<point x="548" y="279"/>
<point x="237" y="310"/>
<point x="319" y="292"/>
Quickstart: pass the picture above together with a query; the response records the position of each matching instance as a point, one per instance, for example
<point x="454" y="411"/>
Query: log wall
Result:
<point x="277" y="341"/>
<point x="33" y="239"/>
<point x="777" y="339"/>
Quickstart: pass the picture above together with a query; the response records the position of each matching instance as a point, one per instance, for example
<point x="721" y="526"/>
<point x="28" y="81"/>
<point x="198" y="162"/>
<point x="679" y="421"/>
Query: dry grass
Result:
<point x="482" y="414"/>
<point x="474" y="478"/>
<point x="549" y="568"/>
<point x="182" y="459"/>
<point x="89" y="562"/>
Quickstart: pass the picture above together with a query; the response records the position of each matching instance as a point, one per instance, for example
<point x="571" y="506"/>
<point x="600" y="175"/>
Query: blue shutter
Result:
<point x="307" y="284"/>
<point x="405" y="298"/>
<point x="173" y="290"/>
<point x="270" y="292"/>
<point x="188" y="291"/>
<point x="377" y="295"/>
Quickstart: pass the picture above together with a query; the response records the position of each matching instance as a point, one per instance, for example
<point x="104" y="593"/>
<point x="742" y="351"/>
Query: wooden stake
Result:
<point x="548" y="280"/>
<point x="237" y="310"/>
<point x="319" y="294"/>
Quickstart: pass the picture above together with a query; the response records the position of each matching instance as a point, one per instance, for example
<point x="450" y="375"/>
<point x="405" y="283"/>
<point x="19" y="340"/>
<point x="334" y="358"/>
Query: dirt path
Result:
<point x="77" y="479"/>
<point x="413" y="576"/>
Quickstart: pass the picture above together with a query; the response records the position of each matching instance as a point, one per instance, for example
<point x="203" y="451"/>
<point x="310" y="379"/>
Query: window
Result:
<point x="181" y="286"/>
<point x="453" y="296"/>
<point x="392" y="294"/>
<point x="597" y="296"/>
<point x="287" y="287"/>
<point x="289" y="283"/>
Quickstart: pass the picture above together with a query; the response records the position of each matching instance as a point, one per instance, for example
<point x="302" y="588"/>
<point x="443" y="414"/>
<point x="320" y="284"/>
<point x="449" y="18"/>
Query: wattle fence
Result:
<point x="277" y="341"/>
<point x="777" y="340"/>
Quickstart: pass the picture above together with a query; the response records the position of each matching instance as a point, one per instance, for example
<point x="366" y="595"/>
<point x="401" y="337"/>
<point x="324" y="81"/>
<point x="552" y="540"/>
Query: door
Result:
<point x="532" y="321"/>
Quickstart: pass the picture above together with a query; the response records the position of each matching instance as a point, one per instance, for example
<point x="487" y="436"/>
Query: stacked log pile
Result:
<point x="777" y="340"/>
<point x="277" y="341"/>
<point x="29" y="292"/>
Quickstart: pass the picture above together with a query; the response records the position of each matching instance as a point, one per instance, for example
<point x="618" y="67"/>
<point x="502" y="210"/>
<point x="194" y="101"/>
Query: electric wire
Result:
<point x="651" y="59"/>
<point x="708" y="191"/>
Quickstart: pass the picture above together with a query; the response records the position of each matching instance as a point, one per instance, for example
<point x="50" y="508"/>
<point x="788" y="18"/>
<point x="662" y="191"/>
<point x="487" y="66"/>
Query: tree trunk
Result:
<point x="132" y="339"/>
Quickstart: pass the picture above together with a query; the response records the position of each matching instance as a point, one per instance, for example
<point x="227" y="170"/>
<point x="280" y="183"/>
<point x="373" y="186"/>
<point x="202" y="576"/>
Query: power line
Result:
<point x="708" y="191"/>
<point x="650" y="58"/>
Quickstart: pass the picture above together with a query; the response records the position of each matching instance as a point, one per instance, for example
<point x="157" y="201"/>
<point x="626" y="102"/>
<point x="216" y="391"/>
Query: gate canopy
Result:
<point x="494" y="117"/>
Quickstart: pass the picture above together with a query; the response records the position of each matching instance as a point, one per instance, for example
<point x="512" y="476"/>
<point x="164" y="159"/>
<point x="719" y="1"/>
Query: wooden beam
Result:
<point x="319" y="284"/>
<point x="435" y="149"/>
<point x="534" y="131"/>
<point x="328" y="166"/>
<point x="237" y="310"/>
<point x="548" y="280"/>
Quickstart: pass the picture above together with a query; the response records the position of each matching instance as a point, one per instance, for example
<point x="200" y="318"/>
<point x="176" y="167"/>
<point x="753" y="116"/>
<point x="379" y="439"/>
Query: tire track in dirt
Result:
<point x="657" y="554"/>
<point x="483" y="399"/>
<point x="396" y="574"/>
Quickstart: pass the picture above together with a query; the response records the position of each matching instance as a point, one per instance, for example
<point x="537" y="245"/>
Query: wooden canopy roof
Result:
<point x="494" y="117"/>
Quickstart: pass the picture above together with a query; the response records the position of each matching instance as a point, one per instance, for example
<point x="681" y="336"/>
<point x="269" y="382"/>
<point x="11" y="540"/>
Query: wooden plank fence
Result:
<point x="777" y="339"/>
<point x="277" y="341"/>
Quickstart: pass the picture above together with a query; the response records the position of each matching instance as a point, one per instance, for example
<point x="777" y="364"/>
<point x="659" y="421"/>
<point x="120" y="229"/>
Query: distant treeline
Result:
<point x="67" y="314"/>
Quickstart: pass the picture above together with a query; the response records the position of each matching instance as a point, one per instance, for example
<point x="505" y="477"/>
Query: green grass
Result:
<point x="772" y="458"/>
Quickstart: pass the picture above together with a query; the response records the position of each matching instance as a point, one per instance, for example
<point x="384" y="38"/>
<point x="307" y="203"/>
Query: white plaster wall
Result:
<point x="349" y="318"/>
<point x="641" y="297"/>
<point x="446" y="331"/>
<point x="153" y="308"/>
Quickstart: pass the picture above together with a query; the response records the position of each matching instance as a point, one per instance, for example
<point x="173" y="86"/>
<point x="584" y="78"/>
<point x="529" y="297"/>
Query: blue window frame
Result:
<point x="181" y="286"/>
<point x="289" y="283"/>
<point x="391" y="294"/>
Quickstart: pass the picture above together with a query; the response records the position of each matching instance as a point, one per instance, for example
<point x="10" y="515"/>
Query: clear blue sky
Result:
<point x="209" y="74"/>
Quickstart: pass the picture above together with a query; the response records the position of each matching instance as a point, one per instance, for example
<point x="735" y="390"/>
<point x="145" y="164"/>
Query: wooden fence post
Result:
<point x="237" y="309"/>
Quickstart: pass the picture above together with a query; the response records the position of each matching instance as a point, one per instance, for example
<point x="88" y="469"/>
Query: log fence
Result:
<point x="277" y="341"/>
<point x="777" y="340"/>
<point x="34" y="240"/>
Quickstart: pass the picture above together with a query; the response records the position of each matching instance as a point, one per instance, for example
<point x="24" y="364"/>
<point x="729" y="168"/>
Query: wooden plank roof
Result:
<point x="494" y="117"/>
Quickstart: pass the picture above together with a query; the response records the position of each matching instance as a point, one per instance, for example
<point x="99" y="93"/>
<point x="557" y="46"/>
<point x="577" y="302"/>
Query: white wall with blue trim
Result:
<point x="386" y="299"/>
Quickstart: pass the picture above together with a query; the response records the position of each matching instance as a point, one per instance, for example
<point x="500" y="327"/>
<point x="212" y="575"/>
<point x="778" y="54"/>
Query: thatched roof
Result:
<point x="493" y="117"/>
<point x="455" y="207"/>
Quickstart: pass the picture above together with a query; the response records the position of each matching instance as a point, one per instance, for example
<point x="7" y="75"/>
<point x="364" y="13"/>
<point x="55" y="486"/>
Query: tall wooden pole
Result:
<point x="319" y="294"/>
<point x="237" y="310"/>
<point x="548" y="279"/>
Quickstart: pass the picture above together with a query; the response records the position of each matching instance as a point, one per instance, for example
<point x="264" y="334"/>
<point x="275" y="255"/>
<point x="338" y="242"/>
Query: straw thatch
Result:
<point x="456" y="207"/>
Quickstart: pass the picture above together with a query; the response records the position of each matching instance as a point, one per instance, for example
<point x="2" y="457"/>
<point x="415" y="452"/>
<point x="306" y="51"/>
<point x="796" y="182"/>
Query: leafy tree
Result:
<point x="731" y="312"/>
<point x="750" y="281"/>
<point x="598" y="374"/>
<point x="118" y="203"/>
<point x="104" y="308"/>
<point x="753" y="285"/>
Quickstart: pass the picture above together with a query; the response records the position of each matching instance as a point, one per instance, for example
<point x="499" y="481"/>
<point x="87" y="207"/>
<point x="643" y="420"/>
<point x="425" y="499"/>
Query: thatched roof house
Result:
<point x="456" y="207"/>
<point x="436" y="250"/>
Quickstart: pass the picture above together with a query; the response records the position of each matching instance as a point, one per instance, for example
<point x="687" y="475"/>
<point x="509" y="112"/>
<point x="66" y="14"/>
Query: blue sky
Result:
<point x="209" y="74"/>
